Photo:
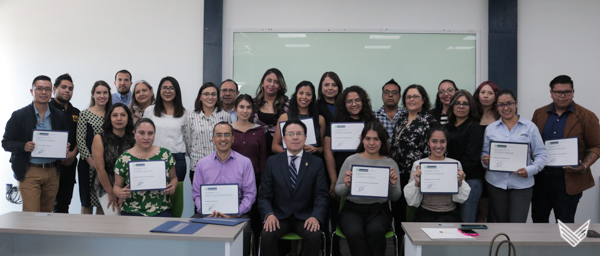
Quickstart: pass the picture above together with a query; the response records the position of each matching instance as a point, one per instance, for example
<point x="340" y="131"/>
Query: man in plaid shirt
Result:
<point x="390" y="111"/>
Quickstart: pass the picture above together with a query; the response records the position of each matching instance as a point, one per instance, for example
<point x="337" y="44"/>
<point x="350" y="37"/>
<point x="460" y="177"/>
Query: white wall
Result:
<point x="92" y="40"/>
<point x="561" y="37"/>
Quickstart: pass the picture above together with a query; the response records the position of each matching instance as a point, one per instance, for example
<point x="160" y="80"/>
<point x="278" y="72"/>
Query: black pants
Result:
<point x="311" y="241"/>
<point x="365" y="226"/>
<point x="65" y="187"/>
<point x="399" y="210"/>
<point x="247" y="231"/>
<point x="85" y="190"/>
<point x="510" y="205"/>
<point x="550" y="193"/>
<point x="424" y="215"/>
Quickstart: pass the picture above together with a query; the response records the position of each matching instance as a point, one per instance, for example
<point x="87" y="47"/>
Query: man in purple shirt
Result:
<point x="226" y="166"/>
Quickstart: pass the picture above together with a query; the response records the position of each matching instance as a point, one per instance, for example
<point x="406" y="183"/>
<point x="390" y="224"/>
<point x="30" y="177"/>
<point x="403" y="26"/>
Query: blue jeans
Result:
<point x="468" y="209"/>
<point x="180" y="166"/>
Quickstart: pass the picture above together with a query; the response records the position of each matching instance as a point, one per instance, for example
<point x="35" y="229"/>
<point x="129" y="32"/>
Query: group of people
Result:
<point x="286" y="185"/>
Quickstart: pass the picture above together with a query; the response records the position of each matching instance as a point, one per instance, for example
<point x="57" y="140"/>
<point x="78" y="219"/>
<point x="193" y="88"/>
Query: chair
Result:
<point x="177" y="201"/>
<point x="338" y="232"/>
<point x="293" y="236"/>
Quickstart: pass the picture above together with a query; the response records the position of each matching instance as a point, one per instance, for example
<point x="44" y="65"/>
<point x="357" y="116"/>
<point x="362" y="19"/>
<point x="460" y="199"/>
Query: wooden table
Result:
<point x="29" y="233"/>
<point x="529" y="239"/>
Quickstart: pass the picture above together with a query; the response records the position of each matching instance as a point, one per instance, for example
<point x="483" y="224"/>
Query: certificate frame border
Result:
<point x="371" y="166"/>
<point x="222" y="184"/>
<point x="559" y="166"/>
<point x="444" y="193"/>
<point x="507" y="142"/>
<point x="144" y="161"/>
<point x="331" y="130"/>
<point x="281" y="132"/>
<point x="57" y="158"/>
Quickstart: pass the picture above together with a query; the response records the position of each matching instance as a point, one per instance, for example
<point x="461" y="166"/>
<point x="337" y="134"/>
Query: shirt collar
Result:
<point x="552" y="109"/>
<point x="47" y="114"/>
<point x="124" y="97"/>
<point x="231" y="155"/>
<point x="298" y="155"/>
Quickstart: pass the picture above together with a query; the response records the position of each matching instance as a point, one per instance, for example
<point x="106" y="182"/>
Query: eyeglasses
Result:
<point x="228" y="90"/>
<point x="562" y="93"/>
<point x="416" y="97"/>
<point x="450" y="90"/>
<point x="41" y="89"/>
<point x="208" y="94"/>
<point x="291" y="134"/>
<point x="166" y="89"/>
<point x="392" y="92"/>
<point x="356" y="101"/>
<point x="508" y="105"/>
<point x="219" y="135"/>
<point x="462" y="104"/>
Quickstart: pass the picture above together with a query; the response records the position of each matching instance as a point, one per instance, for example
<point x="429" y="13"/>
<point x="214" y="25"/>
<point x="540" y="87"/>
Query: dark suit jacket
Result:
<point x="309" y="199"/>
<point x="583" y="124"/>
<point x="19" y="130"/>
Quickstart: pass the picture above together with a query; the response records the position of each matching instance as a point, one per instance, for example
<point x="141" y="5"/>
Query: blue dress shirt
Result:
<point x="119" y="98"/>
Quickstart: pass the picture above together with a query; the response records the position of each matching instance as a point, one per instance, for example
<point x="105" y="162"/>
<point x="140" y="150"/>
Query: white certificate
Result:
<point x="50" y="144"/>
<point x="222" y="198"/>
<point x="147" y="175"/>
<point x="508" y="156"/>
<point x="345" y="136"/>
<point x="311" y="137"/>
<point x="439" y="178"/>
<point x="563" y="152"/>
<point x="370" y="181"/>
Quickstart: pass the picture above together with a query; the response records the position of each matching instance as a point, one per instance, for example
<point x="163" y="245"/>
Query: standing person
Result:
<point x="409" y="142"/>
<point x="436" y="207"/>
<point x="510" y="193"/>
<point x="168" y="116"/>
<point x="270" y="103"/>
<point x="225" y="166"/>
<point x="330" y="87"/>
<point x="123" y="83"/>
<point x="229" y="93"/>
<point x="63" y="92"/>
<point x="556" y="188"/>
<point x="107" y="147"/>
<point x="365" y="220"/>
<point x="465" y="139"/>
<point x="293" y="194"/>
<point x="446" y="89"/>
<point x="152" y="203"/>
<point x="38" y="177"/>
<point x="198" y="125"/>
<point x="303" y="105"/>
<point x="485" y="99"/>
<point x="90" y="123"/>
<point x="389" y="113"/>
<point x="143" y="96"/>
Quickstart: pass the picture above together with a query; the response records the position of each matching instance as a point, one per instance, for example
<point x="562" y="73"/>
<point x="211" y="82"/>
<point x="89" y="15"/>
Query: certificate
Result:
<point x="372" y="181"/>
<point x="345" y="136"/>
<point x="563" y="152"/>
<point x="222" y="198"/>
<point x="50" y="144"/>
<point x="147" y="175"/>
<point x="508" y="156"/>
<point x="311" y="137"/>
<point x="439" y="178"/>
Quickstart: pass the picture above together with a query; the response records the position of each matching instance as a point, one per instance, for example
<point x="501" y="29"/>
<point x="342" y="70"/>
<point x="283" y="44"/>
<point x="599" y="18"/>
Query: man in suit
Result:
<point x="560" y="188"/>
<point x="293" y="195"/>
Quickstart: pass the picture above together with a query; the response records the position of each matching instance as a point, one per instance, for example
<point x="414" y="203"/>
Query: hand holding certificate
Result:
<point x="508" y="156"/>
<point x="562" y="152"/>
<point x="345" y="136"/>
<point x="220" y="198"/>
<point x="147" y="175"/>
<point x="439" y="178"/>
<point x="370" y="181"/>
<point x="50" y="144"/>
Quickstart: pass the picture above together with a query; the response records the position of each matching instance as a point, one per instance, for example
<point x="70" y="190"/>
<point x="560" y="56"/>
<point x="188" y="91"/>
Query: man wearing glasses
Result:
<point x="229" y="93"/>
<point x="123" y="84"/>
<point x="560" y="188"/>
<point x="389" y="113"/>
<point x="38" y="177"/>
<point x="225" y="166"/>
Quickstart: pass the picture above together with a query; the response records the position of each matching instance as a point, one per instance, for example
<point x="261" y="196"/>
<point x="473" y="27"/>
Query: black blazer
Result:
<point x="309" y="199"/>
<point x="19" y="130"/>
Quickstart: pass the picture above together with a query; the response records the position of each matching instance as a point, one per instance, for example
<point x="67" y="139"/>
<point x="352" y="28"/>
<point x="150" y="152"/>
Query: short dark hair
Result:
<point x="391" y="82"/>
<point x="223" y="122"/>
<point x="62" y="77"/>
<point x="124" y="71"/>
<point x="43" y="78"/>
<point x="562" y="79"/>
<point x="144" y="120"/>
<point x="426" y="103"/>
<point x="237" y="87"/>
<point x="108" y="127"/>
<point x="381" y="133"/>
<point x="438" y="102"/>
<point x="506" y="92"/>
<point x="294" y="121"/>
<point x="198" y="102"/>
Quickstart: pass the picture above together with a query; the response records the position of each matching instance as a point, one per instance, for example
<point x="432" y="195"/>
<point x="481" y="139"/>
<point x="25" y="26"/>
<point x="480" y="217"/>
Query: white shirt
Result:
<point x="298" y="160"/>
<point x="169" y="130"/>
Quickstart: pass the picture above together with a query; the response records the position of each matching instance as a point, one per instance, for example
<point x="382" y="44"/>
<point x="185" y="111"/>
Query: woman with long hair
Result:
<point x="143" y="96"/>
<point x="446" y="89"/>
<point x="330" y="88"/>
<point x="270" y="103"/>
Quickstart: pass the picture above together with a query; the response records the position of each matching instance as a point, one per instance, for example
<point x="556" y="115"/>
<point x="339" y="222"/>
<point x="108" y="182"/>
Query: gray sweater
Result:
<point x="340" y="188"/>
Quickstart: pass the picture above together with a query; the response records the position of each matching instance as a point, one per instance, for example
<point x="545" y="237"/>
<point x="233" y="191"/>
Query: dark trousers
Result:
<point x="311" y="241"/>
<point x="83" y="175"/>
<point x="510" y="205"/>
<point x="424" y="215"/>
<point x="365" y="226"/>
<point x="247" y="231"/>
<point x="550" y="193"/>
<point x="165" y="213"/>
<point x="180" y="166"/>
<point x="65" y="187"/>
<point x="399" y="210"/>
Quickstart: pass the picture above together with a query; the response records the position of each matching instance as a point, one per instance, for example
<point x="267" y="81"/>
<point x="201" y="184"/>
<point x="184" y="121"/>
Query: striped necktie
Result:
<point x="293" y="171"/>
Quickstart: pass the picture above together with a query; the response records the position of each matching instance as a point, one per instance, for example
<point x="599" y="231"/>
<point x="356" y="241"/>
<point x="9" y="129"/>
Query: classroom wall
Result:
<point x="92" y="40"/>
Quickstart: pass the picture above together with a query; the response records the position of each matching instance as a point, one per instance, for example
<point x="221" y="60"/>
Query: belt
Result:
<point x="44" y="166"/>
